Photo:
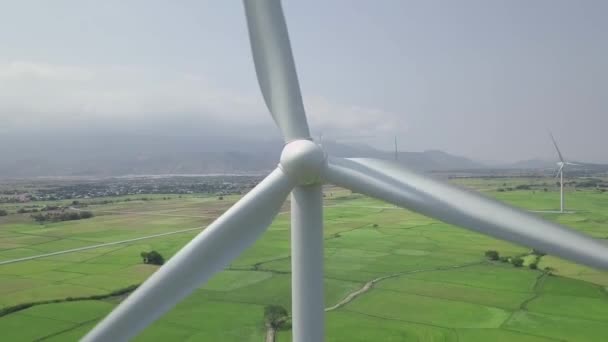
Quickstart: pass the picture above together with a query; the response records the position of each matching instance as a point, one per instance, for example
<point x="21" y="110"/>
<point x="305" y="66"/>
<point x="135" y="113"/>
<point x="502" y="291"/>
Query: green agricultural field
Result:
<point x="432" y="281"/>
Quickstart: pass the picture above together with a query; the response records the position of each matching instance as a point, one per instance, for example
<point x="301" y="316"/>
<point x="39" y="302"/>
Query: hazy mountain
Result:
<point x="121" y="155"/>
<point x="128" y="154"/>
<point x="532" y="164"/>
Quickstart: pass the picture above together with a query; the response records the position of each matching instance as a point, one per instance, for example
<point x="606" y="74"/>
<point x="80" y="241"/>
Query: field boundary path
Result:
<point x="79" y="249"/>
<point x="370" y="284"/>
<point x="38" y="256"/>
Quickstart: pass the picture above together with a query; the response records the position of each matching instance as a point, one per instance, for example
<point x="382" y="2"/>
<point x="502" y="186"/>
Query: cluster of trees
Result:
<point x="515" y="261"/>
<point x="3" y="212"/>
<point x="591" y="183"/>
<point x="538" y="254"/>
<point x="36" y="208"/>
<point x="58" y="216"/>
<point x="518" y="187"/>
<point x="152" y="258"/>
<point x="27" y="210"/>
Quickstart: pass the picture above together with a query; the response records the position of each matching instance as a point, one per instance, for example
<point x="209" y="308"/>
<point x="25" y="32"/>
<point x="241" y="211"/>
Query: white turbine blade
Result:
<point x="561" y="167"/>
<point x="569" y="163"/>
<point x="208" y="253"/>
<point x="275" y="67"/>
<point x="392" y="183"/>
<point x="559" y="153"/>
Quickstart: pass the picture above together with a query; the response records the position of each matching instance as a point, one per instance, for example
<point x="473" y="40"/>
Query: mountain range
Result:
<point x="129" y="155"/>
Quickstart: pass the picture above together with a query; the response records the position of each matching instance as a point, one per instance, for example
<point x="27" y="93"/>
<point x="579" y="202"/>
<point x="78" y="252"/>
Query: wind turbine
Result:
<point x="560" y="172"/>
<point x="303" y="168"/>
<point x="396" y="150"/>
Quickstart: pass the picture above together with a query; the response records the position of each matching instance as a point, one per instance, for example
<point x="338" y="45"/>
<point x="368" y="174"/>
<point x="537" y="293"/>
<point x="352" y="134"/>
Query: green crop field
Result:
<point x="431" y="281"/>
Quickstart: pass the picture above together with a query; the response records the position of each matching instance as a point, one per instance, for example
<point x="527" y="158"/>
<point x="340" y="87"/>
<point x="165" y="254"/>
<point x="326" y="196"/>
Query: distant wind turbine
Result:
<point x="303" y="168"/>
<point x="560" y="172"/>
<point x="396" y="150"/>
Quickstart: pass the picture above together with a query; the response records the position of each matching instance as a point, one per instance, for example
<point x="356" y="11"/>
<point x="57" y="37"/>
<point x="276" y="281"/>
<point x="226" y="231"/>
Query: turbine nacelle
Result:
<point x="303" y="161"/>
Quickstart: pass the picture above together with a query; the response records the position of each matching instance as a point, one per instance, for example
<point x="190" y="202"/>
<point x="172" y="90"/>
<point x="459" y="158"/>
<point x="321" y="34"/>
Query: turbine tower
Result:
<point x="560" y="172"/>
<point x="303" y="168"/>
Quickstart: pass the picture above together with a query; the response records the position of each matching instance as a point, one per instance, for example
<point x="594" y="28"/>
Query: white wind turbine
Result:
<point x="303" y="168"/>
<point x="396" y="150"/>
<point x="560" y="172"/>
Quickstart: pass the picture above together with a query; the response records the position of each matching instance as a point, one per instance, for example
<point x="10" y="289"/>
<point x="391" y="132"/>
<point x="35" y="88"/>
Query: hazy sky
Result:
<point x="483" y="79"/>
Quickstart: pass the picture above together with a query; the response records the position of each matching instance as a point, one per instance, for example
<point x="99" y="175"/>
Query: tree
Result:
<point x="86" y="214"/>
<point x="517" y="262"/>
<point x="39" y="217"/>
<point x="3" y="212"/>
<point x="533" y="266"/>
<point x="144" y="257"/>
<point x="275" y="316"/>
<point x="492" y="255"/>
<point x="71" y="216"/>
<point x="152" y="258"/>
<point x="538" y="252"/>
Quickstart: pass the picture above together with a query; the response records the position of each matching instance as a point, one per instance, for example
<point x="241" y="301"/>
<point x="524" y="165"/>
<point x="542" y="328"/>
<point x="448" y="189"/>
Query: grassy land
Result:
<point x="365" y="239"/>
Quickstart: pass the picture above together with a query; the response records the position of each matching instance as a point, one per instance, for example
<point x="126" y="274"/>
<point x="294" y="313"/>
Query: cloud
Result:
<point x="44" y="91"/>
<point x="339" y="120"/>
<point x="46" y="96"/>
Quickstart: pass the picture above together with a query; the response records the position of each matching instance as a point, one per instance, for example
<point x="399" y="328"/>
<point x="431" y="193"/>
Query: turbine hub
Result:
<point x="304" y="161"/>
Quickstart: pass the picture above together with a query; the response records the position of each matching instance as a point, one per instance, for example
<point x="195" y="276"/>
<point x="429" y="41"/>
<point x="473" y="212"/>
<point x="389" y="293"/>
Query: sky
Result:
<point x="481" y="79"/>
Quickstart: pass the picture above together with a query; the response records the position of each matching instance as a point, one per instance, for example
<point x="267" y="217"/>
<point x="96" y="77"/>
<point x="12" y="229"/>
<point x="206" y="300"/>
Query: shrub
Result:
<point x="3" y="212"/>
<point x="533" y="266"/>
<point x="86" y="214"/>
<point x="517" y="262"/>
<point x="504" y="259"/>
<point x="538" y="252"/>
<point x="70" y="216"/>
<point x="152" y="258"/>
<point x="492" y="255"/>
<point x="39" y="217"/>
